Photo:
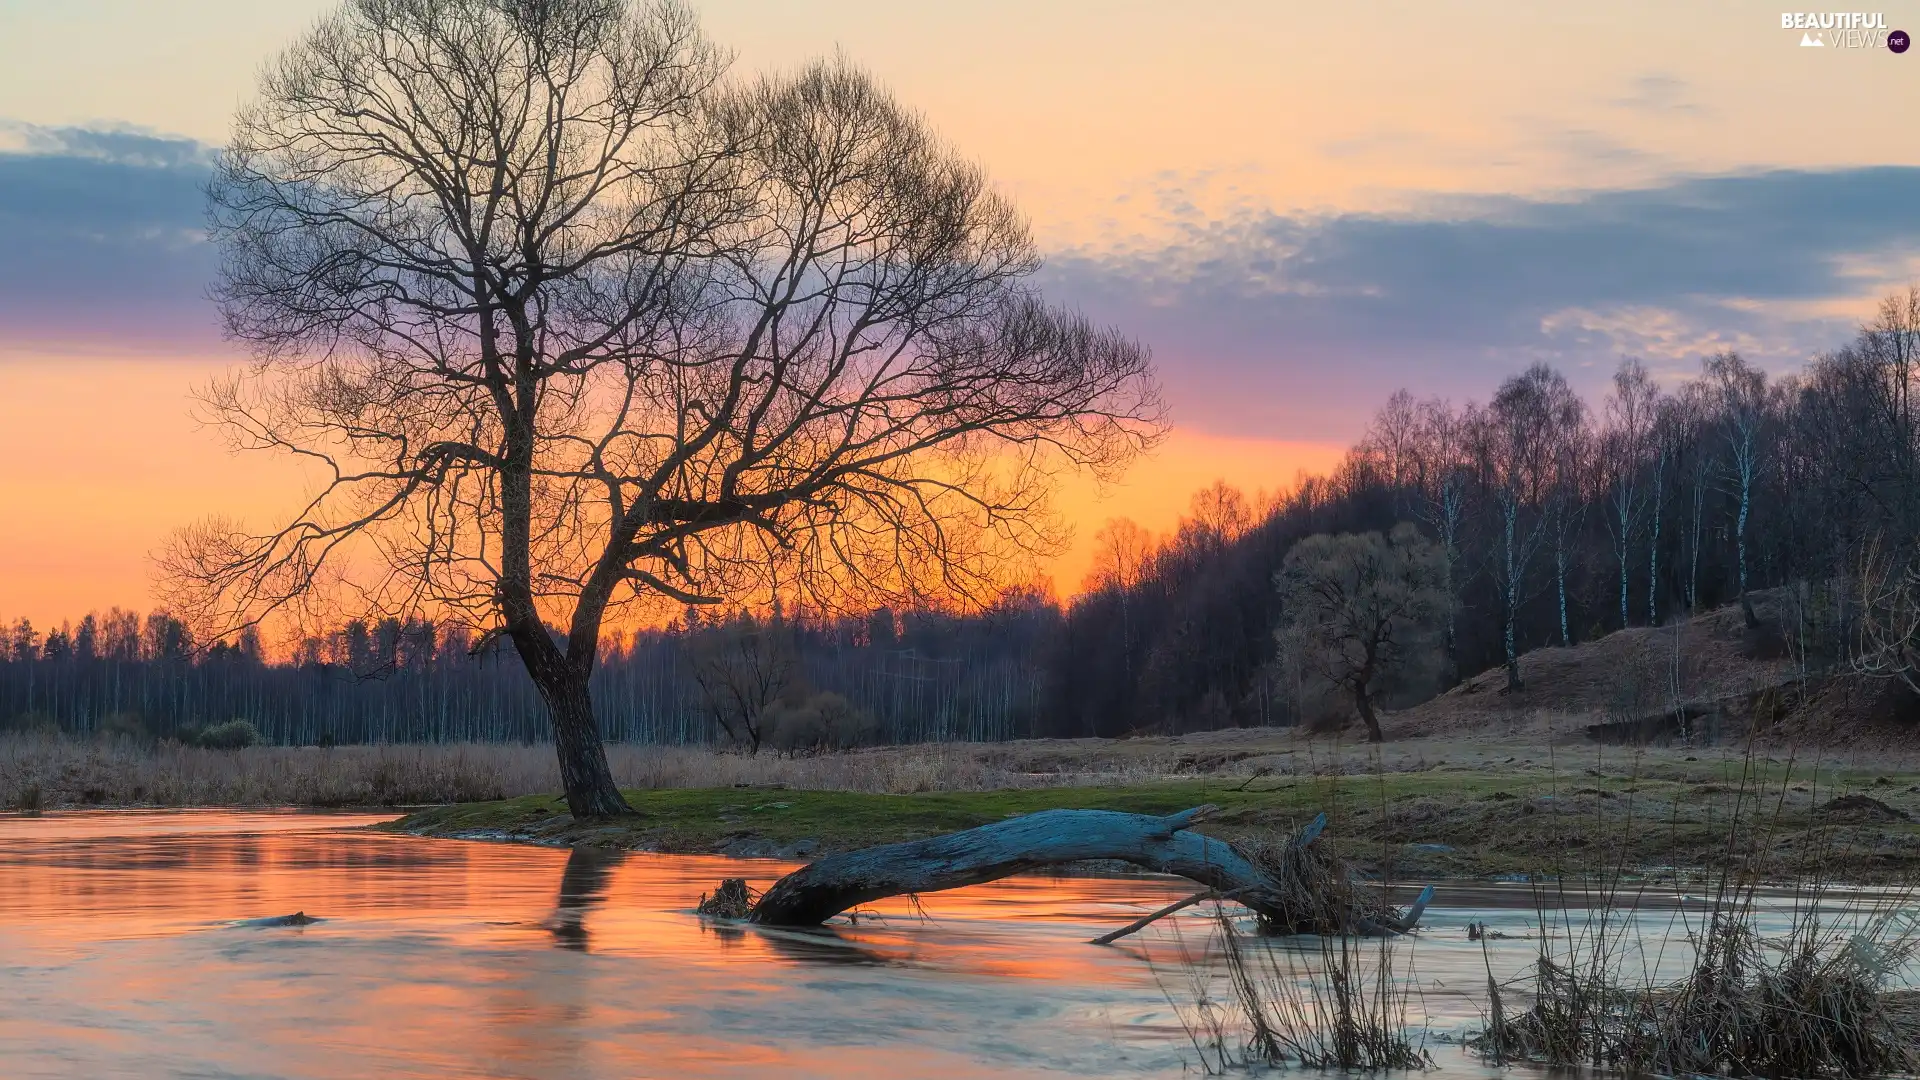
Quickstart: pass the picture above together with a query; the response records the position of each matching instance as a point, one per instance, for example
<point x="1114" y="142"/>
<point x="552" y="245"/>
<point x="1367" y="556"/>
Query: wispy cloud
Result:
<point x="1294" y="325"/>
<point x="102" y="243"/>
<point x="1658" y="93"/>
<point x="1272" y="325"/>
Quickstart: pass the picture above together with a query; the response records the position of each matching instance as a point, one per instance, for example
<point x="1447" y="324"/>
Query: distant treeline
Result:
<point x="916" y="677"/>
<point x="1560" y="519"/>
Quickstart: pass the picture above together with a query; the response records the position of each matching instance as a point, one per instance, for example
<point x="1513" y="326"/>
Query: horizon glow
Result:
<point x="1271" y="198"/>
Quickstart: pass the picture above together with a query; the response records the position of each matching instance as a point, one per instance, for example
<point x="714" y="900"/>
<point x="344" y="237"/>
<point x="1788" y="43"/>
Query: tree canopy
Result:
<point x="570" y="319"/>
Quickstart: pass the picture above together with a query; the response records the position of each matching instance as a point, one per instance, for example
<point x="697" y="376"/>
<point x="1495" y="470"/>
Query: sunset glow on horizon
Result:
<point x="1298" y="210"/>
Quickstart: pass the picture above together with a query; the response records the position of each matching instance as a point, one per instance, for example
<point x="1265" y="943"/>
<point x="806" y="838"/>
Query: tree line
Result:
<point x="886" y="677"/>
<point x="1554" y="520"/>
<point x="1541" y="519"/>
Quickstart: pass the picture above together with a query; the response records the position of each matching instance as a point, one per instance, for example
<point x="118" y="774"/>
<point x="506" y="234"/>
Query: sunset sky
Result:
<point x="1299" y="208"/>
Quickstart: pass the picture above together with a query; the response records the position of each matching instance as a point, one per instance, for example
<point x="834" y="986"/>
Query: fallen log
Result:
<point x="1291" y="887"/>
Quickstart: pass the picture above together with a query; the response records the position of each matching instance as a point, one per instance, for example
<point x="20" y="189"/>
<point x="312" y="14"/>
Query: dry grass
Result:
<point x="1712" y="661"/>
<point x="1814" y="1004"/>
<point x="1324" y="1002"/>
<point x="38" y="770"/>
<point x="1815" y="1001"/>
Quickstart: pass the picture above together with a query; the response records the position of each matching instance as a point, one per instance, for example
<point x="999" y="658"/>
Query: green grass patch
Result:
<point x="707" y="819"/>
<point x="1443" y="822"/>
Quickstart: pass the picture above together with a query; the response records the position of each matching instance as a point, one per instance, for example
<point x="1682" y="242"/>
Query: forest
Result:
<point x="1555" y="520"/>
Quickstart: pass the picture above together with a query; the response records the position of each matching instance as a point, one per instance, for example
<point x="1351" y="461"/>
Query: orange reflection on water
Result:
<point x="125" y="954"/>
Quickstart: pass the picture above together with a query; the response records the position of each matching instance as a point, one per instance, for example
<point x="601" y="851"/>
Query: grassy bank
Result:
<point x="1441" y="822"/>
<point x="1415" y="808"/>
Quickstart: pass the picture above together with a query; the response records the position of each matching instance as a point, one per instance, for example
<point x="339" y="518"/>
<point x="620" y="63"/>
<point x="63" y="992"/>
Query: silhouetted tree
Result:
<point x="1357" y="608"/>
<point x="575" y="326"/>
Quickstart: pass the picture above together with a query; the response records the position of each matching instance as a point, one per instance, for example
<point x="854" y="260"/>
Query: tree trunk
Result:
<point x="818" y="891"/>
<point x="1365" y="705"/>
<point x="1653" y="543"/>
<point x="1560" y="585"/>
<point x="584" y="775"/>
<point x="1625" y="619"/>
<point x="1746" y="504"/>
<point x="1512" y="589"/>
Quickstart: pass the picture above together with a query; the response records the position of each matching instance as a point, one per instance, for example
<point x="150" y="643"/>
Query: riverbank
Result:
<point x="1779" y="820"/>
<point x="1411" y="809"/>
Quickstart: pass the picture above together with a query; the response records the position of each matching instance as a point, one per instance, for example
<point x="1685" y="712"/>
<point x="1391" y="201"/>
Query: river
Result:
<point x="124" y="953"/>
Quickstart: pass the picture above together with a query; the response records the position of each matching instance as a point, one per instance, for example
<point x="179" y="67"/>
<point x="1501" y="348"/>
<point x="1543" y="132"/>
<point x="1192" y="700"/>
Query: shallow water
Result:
<point x="122" y="954"/>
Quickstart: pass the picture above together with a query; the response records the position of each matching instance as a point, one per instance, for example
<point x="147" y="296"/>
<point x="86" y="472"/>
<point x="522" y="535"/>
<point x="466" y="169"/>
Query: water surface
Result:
<point x="124" y="953"/>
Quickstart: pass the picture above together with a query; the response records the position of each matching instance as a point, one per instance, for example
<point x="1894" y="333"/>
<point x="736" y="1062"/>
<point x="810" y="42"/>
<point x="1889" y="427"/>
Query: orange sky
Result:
<point x="1113" y="123"/>
<point x="105" y="453"/>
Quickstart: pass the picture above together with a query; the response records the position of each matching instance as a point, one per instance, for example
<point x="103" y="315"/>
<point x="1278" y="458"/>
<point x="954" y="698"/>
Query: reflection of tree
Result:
<point x="583" y="884"/>
<point x="821" y="945"/>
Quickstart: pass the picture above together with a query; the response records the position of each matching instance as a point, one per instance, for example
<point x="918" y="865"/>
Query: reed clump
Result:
<point x="1817" y="1000"/>
<point x="1313" y="887"/>
<point x="732" y="900"/>
<point x="1319" y="981"/>
<point x="1339" y="1004"/>
<point x="1816" y="1004"/>
<point x="1321" y="1002"/>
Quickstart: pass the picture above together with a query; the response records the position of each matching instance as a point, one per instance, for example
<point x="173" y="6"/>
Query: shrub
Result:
<point x="122" y="725"/>
<point x="823" y="721"/>
<point x="233" y="735"/>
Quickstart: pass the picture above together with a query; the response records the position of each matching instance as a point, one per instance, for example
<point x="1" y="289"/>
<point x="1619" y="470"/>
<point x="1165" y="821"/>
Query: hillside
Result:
<point x="1706" y="679"/>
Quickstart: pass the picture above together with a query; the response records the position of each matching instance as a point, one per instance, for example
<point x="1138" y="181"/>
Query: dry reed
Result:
<point x="54" y="771"/>
<point x="1323" y="1002"/>
<point x="1815" y="1002"/>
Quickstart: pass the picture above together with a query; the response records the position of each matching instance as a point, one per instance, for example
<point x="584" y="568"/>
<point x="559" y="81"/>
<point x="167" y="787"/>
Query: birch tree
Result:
<point x="1517" y="444"/>
<point x="1744" y="405"/>
<point x="1569" y="494"/>
<point x="1630" y="422"/>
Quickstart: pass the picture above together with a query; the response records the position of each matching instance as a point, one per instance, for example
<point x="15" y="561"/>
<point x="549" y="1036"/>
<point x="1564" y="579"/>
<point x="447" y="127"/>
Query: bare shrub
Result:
<point x="1328" y="1002"/>
<point x="1815" y="1002"/>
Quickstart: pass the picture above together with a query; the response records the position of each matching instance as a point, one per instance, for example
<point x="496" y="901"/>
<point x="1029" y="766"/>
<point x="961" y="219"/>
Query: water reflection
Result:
<point x="820" y="945"/>
<point x="583" y="884"/>
<point x="121" y="958"/>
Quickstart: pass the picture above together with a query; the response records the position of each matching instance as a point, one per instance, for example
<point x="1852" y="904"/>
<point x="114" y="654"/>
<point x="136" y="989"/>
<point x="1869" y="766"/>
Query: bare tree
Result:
<point x="743" y="669"/>
<point x="1889" y="619"/>
<point x="1744" y="411"/>
<point x="571" y="323"/>
<point x="1631" y="417"/>
<point x="1394" y="443"/>
<point x="1890" y="346"/>
<point x="1357" y="607"/>
<point x="1121" y="551"/>
<point x="1519" y="437"/>
<point x="1445" y="480"/>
